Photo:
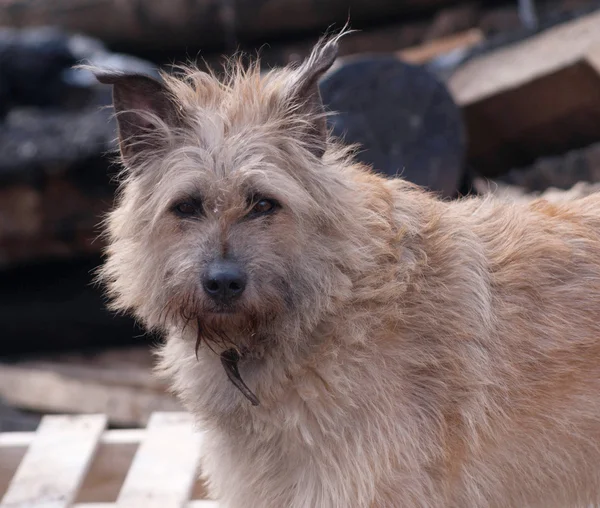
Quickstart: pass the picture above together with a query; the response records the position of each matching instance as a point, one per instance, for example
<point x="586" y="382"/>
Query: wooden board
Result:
<point x="72" y="462"/>
<point x="128" y="395"/>
<point x="163" y="471"/>
<point x="535" y="98"/>
<point x="433" y="49"/>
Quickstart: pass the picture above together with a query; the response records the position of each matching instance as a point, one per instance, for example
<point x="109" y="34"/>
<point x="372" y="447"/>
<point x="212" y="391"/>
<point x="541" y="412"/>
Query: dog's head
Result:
<point x="233" y="205"/>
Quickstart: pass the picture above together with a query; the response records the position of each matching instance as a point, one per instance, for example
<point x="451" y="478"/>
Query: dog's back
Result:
<point x="521" y="416"/>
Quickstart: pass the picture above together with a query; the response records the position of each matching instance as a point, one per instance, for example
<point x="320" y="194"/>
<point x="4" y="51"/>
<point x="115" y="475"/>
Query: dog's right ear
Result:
<point x="144" y="108"/>
<point x="306" y="91"/>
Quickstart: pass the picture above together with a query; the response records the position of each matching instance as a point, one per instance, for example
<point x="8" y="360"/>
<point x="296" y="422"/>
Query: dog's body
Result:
<point x="406" y="352"/>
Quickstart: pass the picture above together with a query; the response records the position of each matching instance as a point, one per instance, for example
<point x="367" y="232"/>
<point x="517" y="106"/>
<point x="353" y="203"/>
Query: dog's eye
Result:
<point x="263" y="206"/>
<point x="186" y="209"/>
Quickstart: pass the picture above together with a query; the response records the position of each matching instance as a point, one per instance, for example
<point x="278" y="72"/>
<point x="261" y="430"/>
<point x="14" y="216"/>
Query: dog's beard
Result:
<point x="249" y="330"/>
<point x="222" y="332"/>
<point x="235" y="334"/>
<point x="217" y="333"/>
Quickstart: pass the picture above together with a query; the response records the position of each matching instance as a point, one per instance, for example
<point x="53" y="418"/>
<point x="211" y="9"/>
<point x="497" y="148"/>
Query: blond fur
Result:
<point x="407" y="352"/>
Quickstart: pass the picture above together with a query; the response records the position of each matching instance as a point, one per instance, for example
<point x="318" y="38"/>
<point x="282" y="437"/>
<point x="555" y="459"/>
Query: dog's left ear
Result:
<point x="141" y="104"/>
<point x="306" y="92"/>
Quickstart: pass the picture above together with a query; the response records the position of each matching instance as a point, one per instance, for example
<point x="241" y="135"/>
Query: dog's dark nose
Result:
<point x="224" y="281"/>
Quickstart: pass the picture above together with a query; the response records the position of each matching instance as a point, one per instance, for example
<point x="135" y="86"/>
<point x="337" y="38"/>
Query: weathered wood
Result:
<point x="107" y="470"/>
<point x="116" y="366"/>
<point x="55" y="464"/>
<point x="54" y="392"/>
<point x="536" y="98"/>
<point x="10" y="457"/>
<point x="165" y="467"/>
<point x="209" y="23"/>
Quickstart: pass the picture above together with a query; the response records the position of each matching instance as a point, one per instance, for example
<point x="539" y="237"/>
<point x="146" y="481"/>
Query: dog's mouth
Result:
<point x="223" y="309"/>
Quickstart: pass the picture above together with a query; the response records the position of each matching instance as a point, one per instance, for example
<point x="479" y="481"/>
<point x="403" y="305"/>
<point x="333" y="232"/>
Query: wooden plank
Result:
<point x="164" y="469"/>
<point x="515" y="100"/>
<point x="53" y="392"/>
<point x="113" y="366"/>
<point x="55" y="464"/>
<point x="433" y="49"/>
<point x="120" y="436"/>
<point x="518" y="64"/>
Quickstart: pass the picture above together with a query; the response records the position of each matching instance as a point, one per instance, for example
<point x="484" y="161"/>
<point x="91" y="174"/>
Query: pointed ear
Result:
<point x="306" y="91"/>
<point x="141" y="104"/>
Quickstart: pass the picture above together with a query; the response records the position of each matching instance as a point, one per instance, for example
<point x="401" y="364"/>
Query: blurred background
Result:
<point x="460" y="96"/>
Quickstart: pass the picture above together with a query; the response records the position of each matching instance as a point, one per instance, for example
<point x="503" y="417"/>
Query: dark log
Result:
<point x="384" y="38"/>
<point x="208" y="23"/>
<point x="403" y="118"/>
<point x="36" y="68"/>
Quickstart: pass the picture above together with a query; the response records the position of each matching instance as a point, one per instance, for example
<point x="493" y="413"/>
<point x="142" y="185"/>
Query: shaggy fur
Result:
<point x="407" y="352"/>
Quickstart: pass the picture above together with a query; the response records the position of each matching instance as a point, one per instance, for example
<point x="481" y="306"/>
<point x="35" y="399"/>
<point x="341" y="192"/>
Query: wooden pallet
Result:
<point x="74" y="462"/>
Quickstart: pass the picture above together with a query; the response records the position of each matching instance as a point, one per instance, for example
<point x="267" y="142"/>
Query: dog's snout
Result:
<point x="224" y="281"/>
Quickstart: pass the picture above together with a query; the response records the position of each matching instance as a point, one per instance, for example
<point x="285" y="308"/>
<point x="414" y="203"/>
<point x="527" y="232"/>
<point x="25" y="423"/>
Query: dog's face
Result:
<point x="228" y="217"/>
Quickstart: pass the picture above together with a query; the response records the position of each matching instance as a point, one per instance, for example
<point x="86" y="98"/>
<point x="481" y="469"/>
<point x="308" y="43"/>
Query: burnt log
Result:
<point x="54" y="183"/>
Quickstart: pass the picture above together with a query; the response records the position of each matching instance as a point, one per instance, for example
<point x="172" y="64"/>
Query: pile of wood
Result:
<point x="537" y="98"/>
<point x="498" y="108"/>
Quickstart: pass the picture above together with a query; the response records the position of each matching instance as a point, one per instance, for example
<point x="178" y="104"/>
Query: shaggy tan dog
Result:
<point x="343" y="339"/>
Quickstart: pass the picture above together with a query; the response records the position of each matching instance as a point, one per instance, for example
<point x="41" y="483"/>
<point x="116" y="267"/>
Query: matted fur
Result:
<point x="407" y="352"/>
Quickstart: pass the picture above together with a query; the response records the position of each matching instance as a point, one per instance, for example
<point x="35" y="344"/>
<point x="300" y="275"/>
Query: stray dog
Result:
<point x="346" y="340"/>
